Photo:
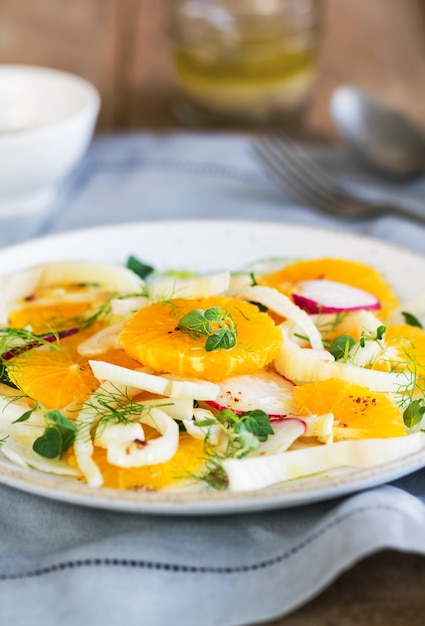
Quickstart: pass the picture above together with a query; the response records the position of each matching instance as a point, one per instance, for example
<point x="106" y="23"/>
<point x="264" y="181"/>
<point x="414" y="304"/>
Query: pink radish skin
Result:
<point x="267" y="391"/>
<point x="328" y="296"/>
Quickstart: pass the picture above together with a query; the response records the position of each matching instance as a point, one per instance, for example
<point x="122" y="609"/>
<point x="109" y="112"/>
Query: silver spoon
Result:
<point x="378" y="136"/>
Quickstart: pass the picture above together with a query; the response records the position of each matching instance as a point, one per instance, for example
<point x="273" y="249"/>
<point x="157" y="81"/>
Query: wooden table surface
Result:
<point x="121" y="46"/>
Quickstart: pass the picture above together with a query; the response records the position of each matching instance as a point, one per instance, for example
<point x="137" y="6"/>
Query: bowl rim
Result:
<point x="89" y="109"/>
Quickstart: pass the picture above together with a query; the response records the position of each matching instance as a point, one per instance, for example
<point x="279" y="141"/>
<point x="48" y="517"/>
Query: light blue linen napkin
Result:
<point x="65" y="564"/>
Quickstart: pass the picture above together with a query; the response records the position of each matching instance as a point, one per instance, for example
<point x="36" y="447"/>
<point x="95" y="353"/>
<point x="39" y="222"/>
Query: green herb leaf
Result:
<point x="341" y="346"/>
<point x="413" y="414"/>
<point x="138" y="267"/>
<point x="253" y="279"/>
<point x="195" y="324"/>
<point x="243" y="432"/>
<point x="218" y="327"/>
<point x="223" y="339"/>
<point x="380" y="332"/>
<point x="57" y="438"/>
<point x="258" y="423"/>
<point x="55" y="416"/>
<point x="214" y="314"/>
<point x="49" y="445"/>
<point x="247" y="440"/>
<point x="411" y="319"/>
<point x="261" y="307"/>
<point x="25" y="416"/>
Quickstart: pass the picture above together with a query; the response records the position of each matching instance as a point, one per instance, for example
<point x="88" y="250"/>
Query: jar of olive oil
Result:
<point x="243" y="61"/>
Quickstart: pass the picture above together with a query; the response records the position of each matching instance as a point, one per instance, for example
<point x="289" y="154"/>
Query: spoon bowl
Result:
<point x="379" y="137"/>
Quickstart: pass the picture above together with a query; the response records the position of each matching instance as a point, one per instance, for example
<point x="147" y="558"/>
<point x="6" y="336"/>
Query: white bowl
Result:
<point x="47" y="119"/>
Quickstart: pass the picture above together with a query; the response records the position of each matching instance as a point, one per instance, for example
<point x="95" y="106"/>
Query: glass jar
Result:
<point x="243" y="61"/>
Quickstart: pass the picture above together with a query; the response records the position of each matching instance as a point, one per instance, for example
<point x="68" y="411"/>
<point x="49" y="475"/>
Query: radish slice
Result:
<point x="328" y="296"/>
<point x="266" y="391"/>
<point x="252" y="473"/>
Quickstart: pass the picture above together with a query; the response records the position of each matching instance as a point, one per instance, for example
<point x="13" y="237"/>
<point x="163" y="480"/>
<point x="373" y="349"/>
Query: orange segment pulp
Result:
<point x="188" y="461"/>
<point x="405" y="350"/>
<point x="152" y="337"/>
<point x="43" y="319"/>
<point x="57" y="375"/>
<point x="359" y="412"/>
<point x="351" y="273"/>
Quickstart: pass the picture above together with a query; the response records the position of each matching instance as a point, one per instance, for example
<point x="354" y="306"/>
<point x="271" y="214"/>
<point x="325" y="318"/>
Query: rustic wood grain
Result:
<point x="121" y="46"/>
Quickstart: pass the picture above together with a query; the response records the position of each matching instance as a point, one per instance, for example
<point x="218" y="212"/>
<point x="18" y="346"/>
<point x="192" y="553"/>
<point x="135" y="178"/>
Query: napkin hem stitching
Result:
<point x="200" y="569"/>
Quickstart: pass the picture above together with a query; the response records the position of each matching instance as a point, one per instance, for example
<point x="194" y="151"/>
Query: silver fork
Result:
<point x="305" y="181"/>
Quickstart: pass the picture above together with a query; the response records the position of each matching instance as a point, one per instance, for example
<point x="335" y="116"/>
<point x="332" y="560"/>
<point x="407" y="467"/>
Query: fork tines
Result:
<point x="293" y="169"/>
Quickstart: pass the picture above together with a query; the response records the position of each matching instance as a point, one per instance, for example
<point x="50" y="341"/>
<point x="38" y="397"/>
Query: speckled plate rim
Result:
<point x="214" y="245"/>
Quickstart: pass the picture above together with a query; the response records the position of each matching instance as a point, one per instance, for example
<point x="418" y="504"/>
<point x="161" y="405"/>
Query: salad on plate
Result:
<point x="133" y="379"/>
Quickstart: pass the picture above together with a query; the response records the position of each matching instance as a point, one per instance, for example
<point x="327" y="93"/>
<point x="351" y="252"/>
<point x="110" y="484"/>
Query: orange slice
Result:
<point x="359" y="412"/>
<point x="43" y="319"/>
<point x="188" y="461"/>
<point x="405" y="350"/>
<point x="152" y="337"/>
<point x="351" y="273"/>
<point x="57" y="375"/>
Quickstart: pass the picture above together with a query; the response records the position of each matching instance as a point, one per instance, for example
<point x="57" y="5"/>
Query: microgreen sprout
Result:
<point x="413" y="414"/>
<point x="341" y="346"/>
<point x="138" y="267"/>
<point x="411" y="319"/>
<point x="244" y="433"/>
<point x="213" y="323"/>
<point x="58" y="436"/>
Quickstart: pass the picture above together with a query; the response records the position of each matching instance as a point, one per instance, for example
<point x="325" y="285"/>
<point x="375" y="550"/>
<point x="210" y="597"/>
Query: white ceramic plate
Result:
<point x="215" y="245"/>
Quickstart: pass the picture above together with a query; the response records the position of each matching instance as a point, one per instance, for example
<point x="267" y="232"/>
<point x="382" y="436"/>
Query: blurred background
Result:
<point x="122" y="47"/>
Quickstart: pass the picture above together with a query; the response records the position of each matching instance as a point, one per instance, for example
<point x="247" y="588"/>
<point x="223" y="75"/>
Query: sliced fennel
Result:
<point x="121" y="440"/>
<point x="127" y="306"/>
<point x="127" y="446"/>
<point x="415" y="306"/>
<point x="105" y="275"/>
<point x="19" y="450"/>
<point x="303" y="365"/>
<point x="199" y="287"/>
<point x="252" y="473"/>
<point x="282" y="305"/>
<point x="172" y="387"/>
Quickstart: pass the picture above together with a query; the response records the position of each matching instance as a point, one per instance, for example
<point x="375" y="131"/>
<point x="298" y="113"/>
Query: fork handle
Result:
<point x="411" y="212"/>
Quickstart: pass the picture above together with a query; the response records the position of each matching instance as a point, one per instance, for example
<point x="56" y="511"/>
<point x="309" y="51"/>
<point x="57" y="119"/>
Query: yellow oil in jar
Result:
<point x="255" y="77"/>
<point x="244" y="68"/>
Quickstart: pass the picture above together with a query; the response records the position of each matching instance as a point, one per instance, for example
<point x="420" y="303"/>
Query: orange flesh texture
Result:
<point x="58" y="314"/>
<point x="151" y="336"/>
<point x="406" y="350"/>
<point x="57" y="375"/>
<point x="359" y="412"/>
<point x="188" y="461"/>
<point x="351" y="273"/>
<point x="43" y="319"/>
